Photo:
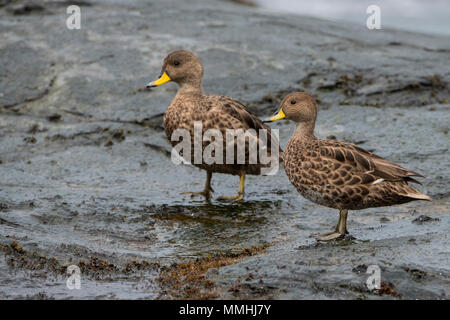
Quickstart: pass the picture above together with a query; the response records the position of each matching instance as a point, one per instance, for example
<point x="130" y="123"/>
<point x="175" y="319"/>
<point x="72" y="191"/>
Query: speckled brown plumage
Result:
<point x="338" y="174"/>
<point x="215" y="112"/>
<point x="342" y="176"/>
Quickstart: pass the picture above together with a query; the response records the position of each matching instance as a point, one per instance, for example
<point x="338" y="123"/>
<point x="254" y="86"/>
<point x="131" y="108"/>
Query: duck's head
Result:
<point x="182" y="67"/>
<point x="298" y="107"/>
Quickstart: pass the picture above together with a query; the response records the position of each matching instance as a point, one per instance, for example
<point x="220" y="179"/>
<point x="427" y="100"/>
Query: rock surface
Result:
<point x="85" y="178"/>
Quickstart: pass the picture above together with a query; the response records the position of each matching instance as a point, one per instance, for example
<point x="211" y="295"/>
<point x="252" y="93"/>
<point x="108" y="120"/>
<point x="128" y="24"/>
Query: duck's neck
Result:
<point x="191" y="87"/>
<point x="305" y="129"/>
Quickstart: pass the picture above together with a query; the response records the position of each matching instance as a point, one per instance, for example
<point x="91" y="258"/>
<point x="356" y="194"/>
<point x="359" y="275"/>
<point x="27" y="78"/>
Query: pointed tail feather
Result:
<point x="419" y="196"/>
<point x="410" y="192"/>
<point x="415" y="194"/>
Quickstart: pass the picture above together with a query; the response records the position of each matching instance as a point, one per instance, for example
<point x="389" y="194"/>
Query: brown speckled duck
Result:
<point x="215" y="112"/>
<point x="338" y="174"/>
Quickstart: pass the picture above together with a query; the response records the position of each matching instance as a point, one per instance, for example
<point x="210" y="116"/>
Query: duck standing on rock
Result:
<point x="338" y="174"/>
<point x="192" y="105"/>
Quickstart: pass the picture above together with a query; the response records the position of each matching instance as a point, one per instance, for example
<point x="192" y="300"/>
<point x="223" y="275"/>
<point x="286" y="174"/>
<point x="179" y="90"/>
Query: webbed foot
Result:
<point x="329" y="236"/>
<point x="237" y="197"/>
<point x="205" y="193"/>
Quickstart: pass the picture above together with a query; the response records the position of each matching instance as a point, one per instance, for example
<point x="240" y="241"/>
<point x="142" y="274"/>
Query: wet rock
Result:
<point x="16" y="246"/>
<point x="54" y="117"/>
<point x="25" y="8"/>
<point x="362" y="268"/>
<point x="118" y="134"/>
<point x="161" y="149"/>
<point x="35" y="128"/>
<point x="30" y="139"/>
<point x="423" y="219"/>
<point x="4" y="2"/>
<point x="388" y="288"/>
<point x="384" y="220"/>
<point x="20" y="64"/>
<point x="417" y="274"/>
<point x="244" y="2"/>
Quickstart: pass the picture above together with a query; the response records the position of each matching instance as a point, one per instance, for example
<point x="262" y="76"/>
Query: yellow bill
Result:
<point x="280" y="115"/>
<point x="163" y="79"/>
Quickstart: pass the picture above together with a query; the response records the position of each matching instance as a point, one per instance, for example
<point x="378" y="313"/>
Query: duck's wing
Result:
<point x="233" y="108"/>
<point x="365" y="162"/>
<point x="230" y="108"/>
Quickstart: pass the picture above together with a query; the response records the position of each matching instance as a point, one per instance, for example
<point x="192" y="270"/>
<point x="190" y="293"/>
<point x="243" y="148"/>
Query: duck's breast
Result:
<point x="308" y="172"/>
<point x="177" y="116"/>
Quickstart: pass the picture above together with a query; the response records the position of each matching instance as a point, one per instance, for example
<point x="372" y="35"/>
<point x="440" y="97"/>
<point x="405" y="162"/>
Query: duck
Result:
<point x="338" y="174"/>
<point x="192" y="105"/>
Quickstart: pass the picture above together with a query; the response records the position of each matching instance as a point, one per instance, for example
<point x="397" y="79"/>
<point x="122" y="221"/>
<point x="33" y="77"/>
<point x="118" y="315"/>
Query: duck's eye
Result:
<point x="293" y="102"/>
<point x="176" y="63"/>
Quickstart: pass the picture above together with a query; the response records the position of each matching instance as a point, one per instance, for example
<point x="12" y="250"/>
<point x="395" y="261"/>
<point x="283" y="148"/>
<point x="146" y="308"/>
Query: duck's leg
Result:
<point x="240" y="195"/>
<point x="339" y="232"/>
<point x="207" y="191"/>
